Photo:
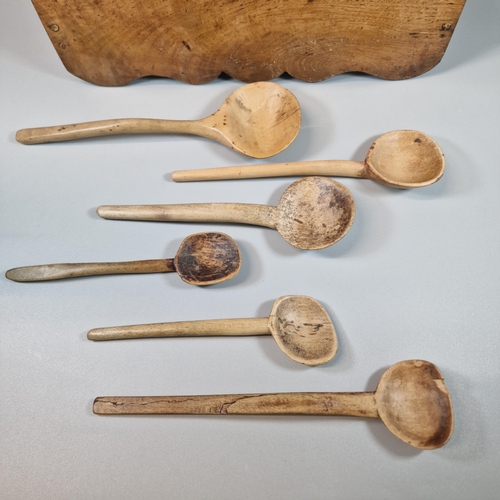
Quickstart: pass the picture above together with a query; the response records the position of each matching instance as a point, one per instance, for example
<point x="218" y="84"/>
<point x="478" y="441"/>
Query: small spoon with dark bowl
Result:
<point x="411" y="399"/>
<point x="313" y="213"/>
<point x="202" y="259"/>
<point x="300" y="326"/>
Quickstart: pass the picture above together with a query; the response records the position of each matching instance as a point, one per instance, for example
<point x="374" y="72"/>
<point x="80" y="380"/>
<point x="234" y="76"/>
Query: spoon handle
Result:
<point x="338" y="168"/>
<point x="260" y="215"/>
<point x="60" y="271"/>
<point x="361" y="404"/>
<point x="203" y="328"/>
<point x="113" y="127"/>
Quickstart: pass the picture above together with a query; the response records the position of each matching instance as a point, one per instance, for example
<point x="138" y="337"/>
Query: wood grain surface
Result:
<point x="116" y="41"/>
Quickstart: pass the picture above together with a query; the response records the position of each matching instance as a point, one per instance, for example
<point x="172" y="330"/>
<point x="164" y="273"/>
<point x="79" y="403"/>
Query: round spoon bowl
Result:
<point x="303" y="330"/>
<point x="260" y="119"/>
<point x="405" y="159"/>
<point x="207" y="259"/>
<point x="415" y="405"/>
<point x="314" y="213"/>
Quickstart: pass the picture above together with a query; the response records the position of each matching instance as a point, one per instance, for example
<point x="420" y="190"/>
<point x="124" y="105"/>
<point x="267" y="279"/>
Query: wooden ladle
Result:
<point x="258" y="120"/>
<point x="301" y="327"/>
<point x="202" y="259"/>
<point x="400" y="159"/>
<point x="313" y="213"/>
<point x="411" y="399"/>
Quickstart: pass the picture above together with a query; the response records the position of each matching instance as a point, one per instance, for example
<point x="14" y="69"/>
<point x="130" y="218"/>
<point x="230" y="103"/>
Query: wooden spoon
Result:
<point x="301" y="327"/>
<point x="202" y="259"/>
<point x="411" y="399"/>
<point x="257" y="120"/>
<point x="313" y="213"/>
<point x="401" y="159"/>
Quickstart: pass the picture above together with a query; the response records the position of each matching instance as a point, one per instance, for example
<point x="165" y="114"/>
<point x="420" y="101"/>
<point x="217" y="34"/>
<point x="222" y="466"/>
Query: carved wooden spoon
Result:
<point x="411" y="399"/>
<point x="259" y="120"/>
<point x="202" y="259"/>
<point x="313" y="213"/>
<point x="301" y="327"/>
<point x="401" y="159"/>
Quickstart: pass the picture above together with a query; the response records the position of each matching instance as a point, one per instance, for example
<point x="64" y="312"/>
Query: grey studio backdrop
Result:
<point x="416" y="277"/>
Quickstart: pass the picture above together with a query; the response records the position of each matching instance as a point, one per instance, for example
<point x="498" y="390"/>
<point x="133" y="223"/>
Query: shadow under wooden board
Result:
<point x="114" y="42"/>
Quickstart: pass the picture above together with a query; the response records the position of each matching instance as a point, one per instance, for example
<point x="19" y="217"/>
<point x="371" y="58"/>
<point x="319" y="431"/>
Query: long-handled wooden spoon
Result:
<point x="300" y="325"/>
<point x="411" y="399"/>
<point x="313" y="213"/>
<point x="258" y="120"/>
<point x="401" y="159"/>
<point x="202" y="259"/>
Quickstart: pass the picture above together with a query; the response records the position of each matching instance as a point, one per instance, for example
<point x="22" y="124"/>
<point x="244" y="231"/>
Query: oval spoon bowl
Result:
<point x="405" y="159"/>
<point x="207" y="258"/>
<point x="303" y="330"/>
<point x="415" y="405"/>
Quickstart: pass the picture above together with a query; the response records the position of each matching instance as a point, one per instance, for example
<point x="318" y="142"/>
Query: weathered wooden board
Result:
<point x="112" y="42"/>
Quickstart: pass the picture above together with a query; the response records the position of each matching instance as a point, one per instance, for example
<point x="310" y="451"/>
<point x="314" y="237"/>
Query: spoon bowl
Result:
<point x="303" y="330"/>
<point x="405" y="159"/>
<point x="300" y="326"/>
<point x="207" y="258"/>
<point x="258" y="120"/>
<point x="415" y="405"/>
<point x="401" y="159"/>
<point x="202" y="259"/>
<point x="314" y="213"/>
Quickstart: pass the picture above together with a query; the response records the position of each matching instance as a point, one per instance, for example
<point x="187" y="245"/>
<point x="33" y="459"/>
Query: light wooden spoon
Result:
<point x="400" y="159"/>
<point x="301" y="327"/>
<point x="258" y="120"/>
<point x="411" y="399"/>
<point x="313" y="213"/>
<point x="202" y="259"/>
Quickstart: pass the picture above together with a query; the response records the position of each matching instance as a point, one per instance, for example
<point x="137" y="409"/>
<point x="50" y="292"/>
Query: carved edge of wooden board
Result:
<point x="396" y="40"/>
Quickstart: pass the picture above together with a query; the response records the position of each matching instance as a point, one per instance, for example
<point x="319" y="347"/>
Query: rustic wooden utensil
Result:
<point x="300" y="325"/>
<point x="411" y="399"/>
<point x="202" y="259"/>
<point x="313" y="213"/>
<point x="257" y="120"/>
<point x="113" y="43"/>
<point x="401" y="159"/>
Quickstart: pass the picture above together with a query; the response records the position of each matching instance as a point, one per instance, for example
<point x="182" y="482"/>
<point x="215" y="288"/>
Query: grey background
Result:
<point x="416" y="277"/>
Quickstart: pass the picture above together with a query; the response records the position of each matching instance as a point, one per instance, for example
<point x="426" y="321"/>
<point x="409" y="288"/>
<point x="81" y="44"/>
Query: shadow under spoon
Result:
<point x="401" y="159"/>
<point x="313" y="213"/>
<point x="258" y="120"/>
<point x="411" y="399"/>
<point x="300" y="326"/>
<point x="202" y="259"/>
